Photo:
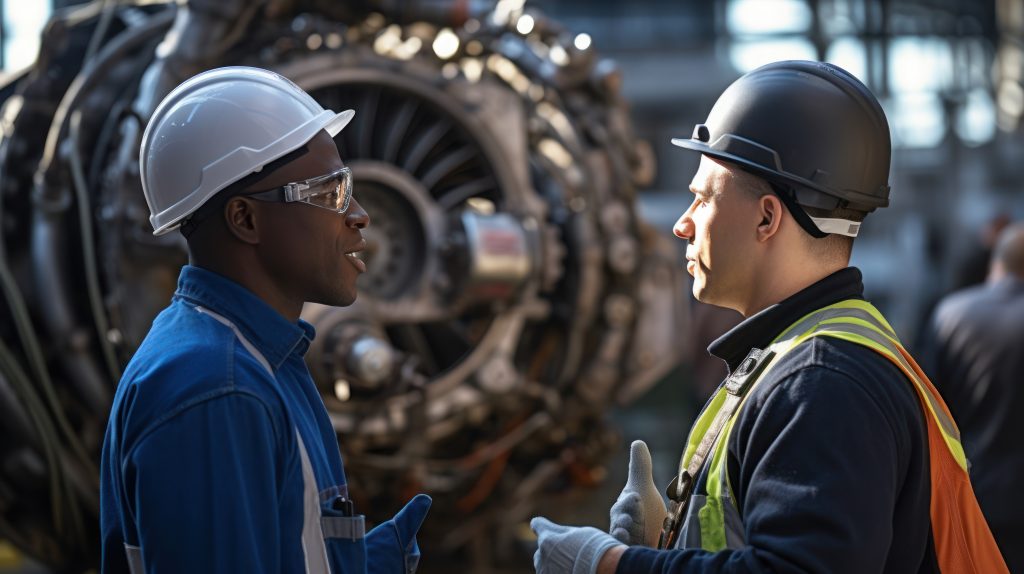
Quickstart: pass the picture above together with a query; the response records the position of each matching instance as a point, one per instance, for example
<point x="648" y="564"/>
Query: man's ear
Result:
<point x="770" y="209"/>
<point x="242" y="219"/>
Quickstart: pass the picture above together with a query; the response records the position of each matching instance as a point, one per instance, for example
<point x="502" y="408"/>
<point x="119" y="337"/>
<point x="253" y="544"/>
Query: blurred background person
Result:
<point x="973" y="267"/>
<point x="975" y="356"/>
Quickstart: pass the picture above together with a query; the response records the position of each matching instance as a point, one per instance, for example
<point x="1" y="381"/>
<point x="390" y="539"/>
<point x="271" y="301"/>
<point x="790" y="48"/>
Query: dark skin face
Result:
<point x="287" y="253"/>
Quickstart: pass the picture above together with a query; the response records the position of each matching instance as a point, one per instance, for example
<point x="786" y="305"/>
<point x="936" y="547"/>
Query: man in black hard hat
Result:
<point x="826" y="449"/>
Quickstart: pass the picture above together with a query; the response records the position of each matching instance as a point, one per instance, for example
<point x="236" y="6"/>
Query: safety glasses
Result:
<point x="329" y="191"/>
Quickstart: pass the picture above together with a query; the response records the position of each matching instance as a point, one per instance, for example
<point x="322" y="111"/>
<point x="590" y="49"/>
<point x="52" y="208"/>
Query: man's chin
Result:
<point x="338" y="299"/>
<point x="704" y="295"/>
<point x="699" y="291"/>
<point x="346" y="300"/>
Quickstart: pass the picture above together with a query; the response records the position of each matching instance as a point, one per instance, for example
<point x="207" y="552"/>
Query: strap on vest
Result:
<point x="679" y="490"/>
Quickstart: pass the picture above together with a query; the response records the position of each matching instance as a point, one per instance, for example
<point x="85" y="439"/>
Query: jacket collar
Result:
<point x="272" y="334"/>
<point x="1009" y="285"/>
<point x="760" y="329"/>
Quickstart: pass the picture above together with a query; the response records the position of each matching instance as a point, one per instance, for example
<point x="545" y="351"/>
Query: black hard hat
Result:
<point x="809" y="127"/>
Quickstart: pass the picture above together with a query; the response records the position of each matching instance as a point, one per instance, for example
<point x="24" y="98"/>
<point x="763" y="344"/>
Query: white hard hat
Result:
<point x="218" y="127"/>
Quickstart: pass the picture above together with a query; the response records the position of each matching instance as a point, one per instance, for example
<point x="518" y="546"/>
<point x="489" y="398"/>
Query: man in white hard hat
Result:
<point x="219" y="455"/>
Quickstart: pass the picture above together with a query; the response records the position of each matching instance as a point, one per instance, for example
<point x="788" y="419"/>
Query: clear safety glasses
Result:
<point x="330" y="191"/>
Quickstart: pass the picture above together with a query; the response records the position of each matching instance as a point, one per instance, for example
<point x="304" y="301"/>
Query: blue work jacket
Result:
<point x="219" y="455"/>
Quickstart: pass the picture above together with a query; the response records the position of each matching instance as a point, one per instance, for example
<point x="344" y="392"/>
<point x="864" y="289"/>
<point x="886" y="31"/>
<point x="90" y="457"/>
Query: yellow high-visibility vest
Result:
<point x="963" y="541"/>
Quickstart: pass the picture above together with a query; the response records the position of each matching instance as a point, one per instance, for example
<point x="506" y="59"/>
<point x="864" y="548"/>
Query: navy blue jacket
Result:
<point x="219" y="455"/>
<point x="828" y="459"/>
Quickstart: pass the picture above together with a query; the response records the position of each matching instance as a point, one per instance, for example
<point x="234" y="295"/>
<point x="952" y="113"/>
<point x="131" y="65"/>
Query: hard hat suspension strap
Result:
<point x="818" y="227"/>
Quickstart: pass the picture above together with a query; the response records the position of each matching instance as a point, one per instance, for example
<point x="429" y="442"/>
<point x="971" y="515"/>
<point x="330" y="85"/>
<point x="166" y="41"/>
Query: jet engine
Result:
<point x="513" y="293"/>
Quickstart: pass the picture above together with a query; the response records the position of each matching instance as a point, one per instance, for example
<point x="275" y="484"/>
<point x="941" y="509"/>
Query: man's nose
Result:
<point x="683" y="229"/>
<point x="356" y="216"/>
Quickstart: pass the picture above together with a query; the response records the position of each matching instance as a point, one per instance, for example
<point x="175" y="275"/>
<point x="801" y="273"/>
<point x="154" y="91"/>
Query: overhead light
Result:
<point x="342" y="390"/>
<point x="407" y="49"/>
<point x="446" y="44"/>
<point x="582" y="41"/>
<point x="525" y="24"/>
<point x="472" y="68"/>
<point x="558" y="55"/>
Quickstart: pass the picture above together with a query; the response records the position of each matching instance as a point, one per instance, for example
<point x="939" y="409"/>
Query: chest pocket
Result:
<point x="344" y="538"/>
<point x="333" y="537"/>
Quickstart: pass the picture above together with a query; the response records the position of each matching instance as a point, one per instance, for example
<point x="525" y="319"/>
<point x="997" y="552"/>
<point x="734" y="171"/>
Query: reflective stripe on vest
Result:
<point x="963" y="541"/>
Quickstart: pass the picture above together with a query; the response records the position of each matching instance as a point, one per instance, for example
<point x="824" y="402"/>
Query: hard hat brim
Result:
<point x="339" y="121"/>
<point x="775" y="173"/>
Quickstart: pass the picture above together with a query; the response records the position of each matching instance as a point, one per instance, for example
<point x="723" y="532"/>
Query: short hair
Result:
<point x="833" y="246"/>
<point x="1009" y="250"/>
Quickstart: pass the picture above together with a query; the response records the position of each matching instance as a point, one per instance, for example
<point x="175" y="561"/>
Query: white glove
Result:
<point x="638" y="514"/>
<point x="568" y="549"/>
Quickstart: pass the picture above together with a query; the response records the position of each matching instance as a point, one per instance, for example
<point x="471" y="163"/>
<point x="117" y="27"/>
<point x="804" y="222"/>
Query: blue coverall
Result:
<point x="219" y="455"/>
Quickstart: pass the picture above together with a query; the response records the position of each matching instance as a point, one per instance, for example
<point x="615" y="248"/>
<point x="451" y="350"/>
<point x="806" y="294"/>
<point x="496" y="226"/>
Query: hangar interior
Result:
<point x="527" y="312"/>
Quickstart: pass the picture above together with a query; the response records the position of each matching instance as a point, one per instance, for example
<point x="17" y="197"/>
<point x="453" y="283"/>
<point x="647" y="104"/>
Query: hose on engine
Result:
<point x="95" y="70"/>
<point x="50" y="423"/>
<point x="92" y="279"/>
<point x="61" y="495"/>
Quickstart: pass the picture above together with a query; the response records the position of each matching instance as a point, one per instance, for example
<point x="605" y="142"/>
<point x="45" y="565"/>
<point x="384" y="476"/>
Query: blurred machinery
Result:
<point x="513" y="293"/>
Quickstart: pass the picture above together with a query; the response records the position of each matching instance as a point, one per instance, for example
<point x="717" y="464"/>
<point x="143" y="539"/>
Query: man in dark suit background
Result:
<point x="974" y="354"/>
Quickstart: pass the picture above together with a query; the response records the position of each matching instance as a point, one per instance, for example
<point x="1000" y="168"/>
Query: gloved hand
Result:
<point x="391" y="546"/>
<point x="638" y="514"/>
<point x="568" y="549"/>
